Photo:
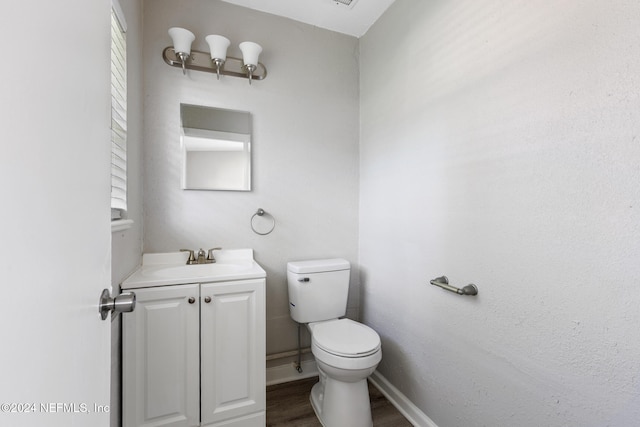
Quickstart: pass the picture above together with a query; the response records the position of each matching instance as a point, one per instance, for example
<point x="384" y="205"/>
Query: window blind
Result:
<point x="118" y="115"/>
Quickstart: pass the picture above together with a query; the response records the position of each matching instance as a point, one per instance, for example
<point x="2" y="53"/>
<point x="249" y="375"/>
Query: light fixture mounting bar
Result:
<point x="201" y="61"/>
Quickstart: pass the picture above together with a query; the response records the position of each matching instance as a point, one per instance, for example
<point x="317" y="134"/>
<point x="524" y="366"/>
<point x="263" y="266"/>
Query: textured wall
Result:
<point x="305" y="145"/>
<point x="499" y="145"/>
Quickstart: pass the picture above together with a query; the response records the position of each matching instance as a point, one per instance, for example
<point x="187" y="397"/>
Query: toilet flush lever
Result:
<point x="304" y="280"/>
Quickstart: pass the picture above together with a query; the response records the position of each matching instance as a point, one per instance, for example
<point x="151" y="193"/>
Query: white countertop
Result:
<point x="163" y="269"/>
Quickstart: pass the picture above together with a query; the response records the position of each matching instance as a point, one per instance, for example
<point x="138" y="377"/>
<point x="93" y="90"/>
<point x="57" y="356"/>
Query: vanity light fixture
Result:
<point x="182" y="40"/>
<point x="216" y="60"/>
<point x="218" y="46"/>
<point x="250" y="53"/>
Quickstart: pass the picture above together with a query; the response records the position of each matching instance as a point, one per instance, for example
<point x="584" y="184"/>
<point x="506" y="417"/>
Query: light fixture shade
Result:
<point x="182" y="39"/>
<point x="218" y="46"/>
<point x="250" y="52"/>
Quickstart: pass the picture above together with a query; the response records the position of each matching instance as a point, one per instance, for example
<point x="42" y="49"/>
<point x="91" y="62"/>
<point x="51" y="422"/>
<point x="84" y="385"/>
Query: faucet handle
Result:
<point x="210" y="254"/>
<point x="192" y="258"/>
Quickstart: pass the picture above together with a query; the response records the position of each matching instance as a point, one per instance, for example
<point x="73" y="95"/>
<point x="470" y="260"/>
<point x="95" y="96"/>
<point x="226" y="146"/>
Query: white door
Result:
<point x="161" y="356"/>
<point x="55" y="247"/>
<point x="232" y="349"/>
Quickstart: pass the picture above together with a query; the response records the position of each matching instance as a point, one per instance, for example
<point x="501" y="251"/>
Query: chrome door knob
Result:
<point x="207" y="299"/>
<point x="123" y="303"/>
<point x="192" y="300"/>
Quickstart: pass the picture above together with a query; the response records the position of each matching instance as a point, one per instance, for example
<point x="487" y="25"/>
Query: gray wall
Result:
<point x="305" y="145"/>
<point x="500" y="147"/>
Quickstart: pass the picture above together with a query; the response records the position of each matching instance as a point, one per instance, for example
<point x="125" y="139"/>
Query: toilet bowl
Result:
<point x="346" y="351"/>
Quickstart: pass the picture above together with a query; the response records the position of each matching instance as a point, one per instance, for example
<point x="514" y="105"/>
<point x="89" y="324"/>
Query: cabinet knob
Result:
<point x="192" y="300"/>
<point x="207" y="299"/>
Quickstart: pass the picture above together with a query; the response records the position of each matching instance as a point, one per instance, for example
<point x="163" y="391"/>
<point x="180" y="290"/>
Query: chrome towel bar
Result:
<point x="443" y="282"/>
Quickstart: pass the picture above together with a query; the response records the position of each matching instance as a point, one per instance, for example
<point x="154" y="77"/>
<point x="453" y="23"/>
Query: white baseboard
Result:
<point x="410" y="411"/>
<point x="285" y="373"/>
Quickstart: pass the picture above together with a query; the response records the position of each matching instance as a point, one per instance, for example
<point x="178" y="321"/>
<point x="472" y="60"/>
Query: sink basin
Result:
<point x="194" y="271"/>
<point x="170" y="269"/>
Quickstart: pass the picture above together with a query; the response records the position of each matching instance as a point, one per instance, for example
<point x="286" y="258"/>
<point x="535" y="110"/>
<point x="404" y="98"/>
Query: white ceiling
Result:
<point x="354" y="21"/>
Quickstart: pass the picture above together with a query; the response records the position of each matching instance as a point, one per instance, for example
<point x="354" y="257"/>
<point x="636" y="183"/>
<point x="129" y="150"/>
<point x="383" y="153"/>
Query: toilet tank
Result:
<point x="318" y="289"/>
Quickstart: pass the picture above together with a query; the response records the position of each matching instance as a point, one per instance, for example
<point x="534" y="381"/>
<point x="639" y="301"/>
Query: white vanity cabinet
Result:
<point x="161" y="358"/>
<point x="194" y="354"/>
<point x="233" y="353"/>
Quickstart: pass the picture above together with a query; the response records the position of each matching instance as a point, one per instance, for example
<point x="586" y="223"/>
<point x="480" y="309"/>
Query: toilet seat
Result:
<point x="345" y="338"/>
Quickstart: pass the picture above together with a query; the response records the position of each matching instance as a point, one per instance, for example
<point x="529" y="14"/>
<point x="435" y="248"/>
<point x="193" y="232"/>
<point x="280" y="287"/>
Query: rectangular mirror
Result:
<point x="216" y="148"/>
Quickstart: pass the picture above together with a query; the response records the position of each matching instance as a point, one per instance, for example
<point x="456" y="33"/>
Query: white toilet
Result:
<point x="346" y="352"/>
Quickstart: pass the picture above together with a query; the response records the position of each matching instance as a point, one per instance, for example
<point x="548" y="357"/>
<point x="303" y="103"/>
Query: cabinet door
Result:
<point x="233" y="350"/>
<point x="161" y="358"/>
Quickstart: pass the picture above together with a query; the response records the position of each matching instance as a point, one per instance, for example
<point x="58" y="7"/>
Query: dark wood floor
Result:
<point x="288" y="405"/>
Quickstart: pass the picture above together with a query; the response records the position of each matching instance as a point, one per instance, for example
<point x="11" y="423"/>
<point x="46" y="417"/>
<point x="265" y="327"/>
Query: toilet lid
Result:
<point x="346" y="338"/>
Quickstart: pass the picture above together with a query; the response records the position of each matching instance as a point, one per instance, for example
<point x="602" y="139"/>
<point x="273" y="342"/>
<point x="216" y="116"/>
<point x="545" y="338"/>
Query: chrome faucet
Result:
<point x="210" y="258"/>
<point x="202" y="257"/>
<point x="192" y="259"/>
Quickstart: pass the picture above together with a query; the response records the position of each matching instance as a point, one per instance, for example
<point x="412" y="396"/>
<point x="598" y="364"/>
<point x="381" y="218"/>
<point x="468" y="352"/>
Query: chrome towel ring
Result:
<point x="261" y="212"/>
